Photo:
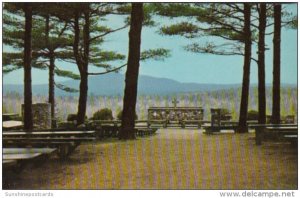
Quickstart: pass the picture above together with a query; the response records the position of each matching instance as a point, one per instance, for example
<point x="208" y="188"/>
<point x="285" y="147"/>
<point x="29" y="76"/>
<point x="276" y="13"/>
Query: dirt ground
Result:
<point x="170" y="159"/>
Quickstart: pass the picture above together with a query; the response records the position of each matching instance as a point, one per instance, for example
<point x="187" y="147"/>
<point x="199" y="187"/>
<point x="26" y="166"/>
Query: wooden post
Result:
<point x="215" y="117"/>
<point x="258" y="135"/>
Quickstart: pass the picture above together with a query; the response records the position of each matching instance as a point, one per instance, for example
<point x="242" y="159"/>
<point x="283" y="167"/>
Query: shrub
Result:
<point x="225" y="114"/>
<point x="73" y="117"/>
<point x="119" y="115"/>
<point x="252" y="115"/>
<point x="66" y="125"/>
<point x="103" y="114"/>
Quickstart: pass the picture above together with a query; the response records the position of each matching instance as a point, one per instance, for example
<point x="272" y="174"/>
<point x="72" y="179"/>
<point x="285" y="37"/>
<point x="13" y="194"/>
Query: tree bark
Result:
<point x="51" y="84"/>
<point x="82" y="99"/>
<point x="131" y="81"/>
<point x="28" y="120"/>
<point x="51" y="90"/>
<point x="246" y="72"/>
<point x="82" y="63"/>
<point x="276" y="64"/>
<point x="261" y="65"/>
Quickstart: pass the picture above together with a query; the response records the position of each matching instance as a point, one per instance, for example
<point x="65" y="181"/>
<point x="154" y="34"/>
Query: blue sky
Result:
<point x="185" y="66"/>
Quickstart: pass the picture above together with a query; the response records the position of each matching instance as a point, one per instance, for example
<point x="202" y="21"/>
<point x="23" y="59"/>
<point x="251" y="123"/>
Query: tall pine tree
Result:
<point x="276" y="64"/>
<point x="28" y="121"/>
<point x="131" y="81"/>
<point x="261" y="64"/>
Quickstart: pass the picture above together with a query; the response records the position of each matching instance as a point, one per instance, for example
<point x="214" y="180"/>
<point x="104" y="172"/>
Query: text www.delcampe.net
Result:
<point x="268" y="194"/>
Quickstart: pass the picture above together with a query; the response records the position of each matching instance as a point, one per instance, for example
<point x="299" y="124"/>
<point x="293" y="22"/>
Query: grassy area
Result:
<point x="171" y="159"/>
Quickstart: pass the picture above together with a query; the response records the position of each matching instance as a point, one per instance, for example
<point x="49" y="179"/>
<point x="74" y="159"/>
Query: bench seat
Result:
<point x="49" y="139"/>
<point x="48" y="133"/>
<point x="64" y="141"/>
<point x="27" y="150"/>
<point x="20" y="156"/>
<point x="210" y="129"/>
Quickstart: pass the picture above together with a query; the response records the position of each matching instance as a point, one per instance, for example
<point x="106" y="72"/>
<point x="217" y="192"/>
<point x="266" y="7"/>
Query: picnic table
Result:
<point x="224" y="125"/>
<point x="20" y="156"/>
<point x="12" y="124"/>
<point x="48" y="133"/>
<point x="65" y="141"/>
<point x="16" y="162"/>
<point x="275" y="132"/>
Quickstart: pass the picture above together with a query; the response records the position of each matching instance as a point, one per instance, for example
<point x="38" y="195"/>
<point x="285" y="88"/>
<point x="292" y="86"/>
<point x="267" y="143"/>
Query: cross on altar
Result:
<point x="175" y="101"/>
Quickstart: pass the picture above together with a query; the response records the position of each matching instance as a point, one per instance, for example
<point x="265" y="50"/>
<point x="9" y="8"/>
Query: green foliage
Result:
<point x="252" y="115"/>
<point x="73" y="117"/>
<point x="176" y="9"/>
<point x="224" y="111"/>
<point x="293" y="23"/>
<point x="67" y="125"/>
<point x="119" y="115"/>
<point x="185" y="29"/>
<point x="105" y="56"/>
<point x="155" y="54"/>
<point x="65" y="73"/>
<point x="225" y="114"/>
<point x="65" y="88"/>
<point x="103" y="114"/>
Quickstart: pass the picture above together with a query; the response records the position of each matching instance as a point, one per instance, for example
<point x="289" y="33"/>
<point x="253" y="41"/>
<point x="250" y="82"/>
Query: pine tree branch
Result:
<point x="108" y="32"/>
<point x="109" y="71"/>
<point x="235" y="6"/>
<point x="63" y="30"/>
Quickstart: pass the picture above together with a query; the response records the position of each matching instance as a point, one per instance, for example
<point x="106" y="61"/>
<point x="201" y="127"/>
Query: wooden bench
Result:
<point x="275" y="132"/>
<point x="27" y="150"/>
<point x="193" y="123"/>
<point x="65" y="141"/>
<point x="293" y="139"/>
<point x="20" y="156"/>
<point x="112" y="131"/>
<point x="224" y="125"/>
<point x="12" y="125"/>
<point x="16" y="159"/>
<point x="145" y="131"/>
<point x="158" y="123"/>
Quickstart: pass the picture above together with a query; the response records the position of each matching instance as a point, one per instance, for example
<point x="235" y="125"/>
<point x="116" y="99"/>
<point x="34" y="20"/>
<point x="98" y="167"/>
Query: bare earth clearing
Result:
<point x="171" y="159"/>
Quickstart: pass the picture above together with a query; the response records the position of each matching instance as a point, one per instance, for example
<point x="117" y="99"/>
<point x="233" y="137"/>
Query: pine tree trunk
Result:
<point x="246" y="73"/>
<point x="276" y="64"/>
<point x="51" y="90"/>
<point x="261" y="65"/>
<point x="131" y="81"/>
<point x="51" y="85"/>
<point x="28" y="121"/>
<point x="83" y="89"/>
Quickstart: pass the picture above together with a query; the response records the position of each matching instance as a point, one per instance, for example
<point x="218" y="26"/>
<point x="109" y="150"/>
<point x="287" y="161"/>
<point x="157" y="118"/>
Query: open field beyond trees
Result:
<point x="170" y="159"/>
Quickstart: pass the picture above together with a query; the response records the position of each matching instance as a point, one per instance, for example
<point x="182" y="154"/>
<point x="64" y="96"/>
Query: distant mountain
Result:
<point x="113" y="84"/>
